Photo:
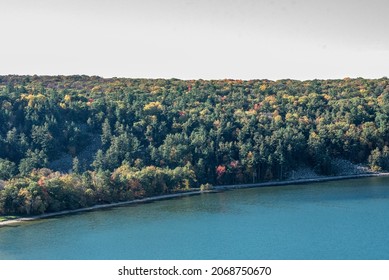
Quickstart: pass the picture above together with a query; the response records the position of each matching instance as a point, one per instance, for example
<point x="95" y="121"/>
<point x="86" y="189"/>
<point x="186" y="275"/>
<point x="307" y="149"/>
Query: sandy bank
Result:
<point x="194" y="192"/>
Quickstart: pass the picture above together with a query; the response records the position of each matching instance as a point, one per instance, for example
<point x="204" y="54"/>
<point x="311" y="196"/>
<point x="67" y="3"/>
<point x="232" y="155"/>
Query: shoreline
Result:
<point x="193" y="192"/>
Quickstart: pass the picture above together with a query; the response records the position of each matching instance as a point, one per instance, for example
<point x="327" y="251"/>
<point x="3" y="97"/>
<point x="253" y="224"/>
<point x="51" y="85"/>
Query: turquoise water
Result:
<point x="333" y="220"/>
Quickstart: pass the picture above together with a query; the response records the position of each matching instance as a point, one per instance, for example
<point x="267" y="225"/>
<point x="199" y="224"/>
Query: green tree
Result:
<point x="7" y="169"/>
<point x="99" y="162"/>
<point x="34" y="159"/>
<point x="76" y="166"/>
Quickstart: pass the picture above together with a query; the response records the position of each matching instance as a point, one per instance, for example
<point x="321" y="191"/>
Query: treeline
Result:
<point x="130" y="138"/>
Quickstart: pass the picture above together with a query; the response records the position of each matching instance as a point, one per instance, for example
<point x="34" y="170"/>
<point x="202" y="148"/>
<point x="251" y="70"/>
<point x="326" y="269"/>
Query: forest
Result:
<point x="68" y="142"/>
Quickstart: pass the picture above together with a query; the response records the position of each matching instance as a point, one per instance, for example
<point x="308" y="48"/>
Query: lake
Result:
<point x="331" y="220"/>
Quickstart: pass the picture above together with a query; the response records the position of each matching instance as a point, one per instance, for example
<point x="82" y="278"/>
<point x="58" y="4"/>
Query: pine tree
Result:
<point x="76" y="166"/>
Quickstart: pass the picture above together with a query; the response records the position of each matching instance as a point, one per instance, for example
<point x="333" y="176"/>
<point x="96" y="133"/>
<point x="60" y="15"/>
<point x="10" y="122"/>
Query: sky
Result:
<point x="196" y="39"/>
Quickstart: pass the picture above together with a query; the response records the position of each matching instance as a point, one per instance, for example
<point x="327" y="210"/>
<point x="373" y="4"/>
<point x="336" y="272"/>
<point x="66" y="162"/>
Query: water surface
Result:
<point x="332" y="220"/>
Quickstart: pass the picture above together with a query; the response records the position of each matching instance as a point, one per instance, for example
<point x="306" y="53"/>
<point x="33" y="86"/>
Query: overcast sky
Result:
<point x="192" y="39"/>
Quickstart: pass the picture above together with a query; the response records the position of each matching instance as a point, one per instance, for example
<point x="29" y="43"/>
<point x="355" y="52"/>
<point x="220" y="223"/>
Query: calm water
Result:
<point x="335" y="220"/>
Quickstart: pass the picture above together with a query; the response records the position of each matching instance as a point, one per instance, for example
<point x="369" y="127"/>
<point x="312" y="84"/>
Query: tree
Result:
<point x="106" y="133"/>
<point x="34" y="159"/>
<point x="99" y="162"/>
<point x="379" y="159"/>
<point x="76" y="166"/>
<point x="7" y="169"/>
<point x="42" y="139"/>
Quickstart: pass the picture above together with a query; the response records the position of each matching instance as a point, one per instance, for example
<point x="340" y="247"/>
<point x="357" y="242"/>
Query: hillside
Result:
<point x="68" y="142"/>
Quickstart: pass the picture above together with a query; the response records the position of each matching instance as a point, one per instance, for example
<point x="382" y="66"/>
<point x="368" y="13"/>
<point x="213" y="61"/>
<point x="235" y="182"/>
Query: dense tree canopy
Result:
<point x="72" y="141"/>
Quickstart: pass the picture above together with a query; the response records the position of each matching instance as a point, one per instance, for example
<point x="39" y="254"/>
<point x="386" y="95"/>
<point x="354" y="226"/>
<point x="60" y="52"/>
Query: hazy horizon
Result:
<point x="186" y="39"/>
